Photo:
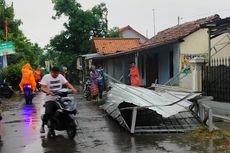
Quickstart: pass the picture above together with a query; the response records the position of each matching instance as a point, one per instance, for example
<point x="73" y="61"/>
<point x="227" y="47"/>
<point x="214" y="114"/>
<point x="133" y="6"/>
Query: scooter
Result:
<point x="86" y="90"/>
<point x="28" y="93"/>
<point x="5" y="90"/>
<point x="65" y="116"/>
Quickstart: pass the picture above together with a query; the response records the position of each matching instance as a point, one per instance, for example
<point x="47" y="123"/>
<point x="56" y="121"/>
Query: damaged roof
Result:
<point x="114" y="45"/>
<point x="143" y="97"/>
<point x="179" y="31"/>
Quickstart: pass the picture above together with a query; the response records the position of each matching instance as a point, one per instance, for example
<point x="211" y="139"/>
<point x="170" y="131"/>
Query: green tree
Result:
<point x="81" y="27"/>
<point x="26" y="52"/>
<point x="114" y="32"/>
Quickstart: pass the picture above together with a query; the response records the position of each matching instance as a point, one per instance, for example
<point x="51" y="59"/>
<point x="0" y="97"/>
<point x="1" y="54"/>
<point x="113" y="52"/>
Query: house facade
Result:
<point x="164" y="59"/>
<point x="111" y="53"/>
<point x="167" y="55"/>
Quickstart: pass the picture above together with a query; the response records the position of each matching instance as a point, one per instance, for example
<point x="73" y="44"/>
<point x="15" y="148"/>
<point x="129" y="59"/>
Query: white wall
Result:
<point x="131" y="34"/>
<point x="196" y="43"/>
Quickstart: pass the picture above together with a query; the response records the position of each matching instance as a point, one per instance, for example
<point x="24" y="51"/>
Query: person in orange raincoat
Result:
<point x="134" y="75"/>
<point x="37" y="76"/>
<point x="27" y="77"/>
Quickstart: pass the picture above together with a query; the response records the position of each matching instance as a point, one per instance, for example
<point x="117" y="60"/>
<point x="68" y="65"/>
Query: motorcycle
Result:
<point x="64" y="117"/>
<point x="28" y="93"/>
<point x="5" y="90"/>
<point x="86" y="90"/>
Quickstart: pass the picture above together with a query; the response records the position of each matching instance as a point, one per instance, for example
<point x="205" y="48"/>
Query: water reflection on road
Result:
<point x="97" y="133"/>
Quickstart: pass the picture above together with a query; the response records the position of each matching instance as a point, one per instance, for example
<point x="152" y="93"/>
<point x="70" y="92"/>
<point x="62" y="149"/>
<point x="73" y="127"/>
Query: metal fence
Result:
<point x="216" y="79"/>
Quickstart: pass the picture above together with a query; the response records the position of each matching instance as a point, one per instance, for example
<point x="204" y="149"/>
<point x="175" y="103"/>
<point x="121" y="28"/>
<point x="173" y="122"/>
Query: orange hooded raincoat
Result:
<point x="27" y="77"/>
<point x="134" y="76"/>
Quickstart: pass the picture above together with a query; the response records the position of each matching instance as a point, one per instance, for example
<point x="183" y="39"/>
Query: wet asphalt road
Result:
<point x="97" y="133"/>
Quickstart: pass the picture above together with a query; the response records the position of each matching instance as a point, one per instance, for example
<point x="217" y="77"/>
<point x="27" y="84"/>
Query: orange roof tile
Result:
<point x="114" y="45"/>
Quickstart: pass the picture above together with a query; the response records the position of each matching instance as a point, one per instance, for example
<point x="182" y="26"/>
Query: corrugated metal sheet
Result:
<point x="165" y="111"/>
<point x="156" y="101"/>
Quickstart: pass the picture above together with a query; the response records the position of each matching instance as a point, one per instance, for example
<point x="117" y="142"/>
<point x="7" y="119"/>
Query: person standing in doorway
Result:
<point x="134" y="75"/>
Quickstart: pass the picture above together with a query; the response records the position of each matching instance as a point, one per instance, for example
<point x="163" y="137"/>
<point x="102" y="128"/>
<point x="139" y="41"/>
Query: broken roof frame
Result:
<point x="218" y="27"/>
<point x="215" y="29"/>
<point x="177" y="117"/>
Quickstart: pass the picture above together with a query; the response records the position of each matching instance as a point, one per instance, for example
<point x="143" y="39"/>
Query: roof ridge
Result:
<point x="131" y="28"/>
<point x="198" y="22"/>
<point x="113" y="38"/>
<point x="180" y="31"/>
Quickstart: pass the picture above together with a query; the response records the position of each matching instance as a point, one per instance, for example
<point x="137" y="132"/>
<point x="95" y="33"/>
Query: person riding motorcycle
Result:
<point x="49" y="84"/>
<point x="27" y="77"/>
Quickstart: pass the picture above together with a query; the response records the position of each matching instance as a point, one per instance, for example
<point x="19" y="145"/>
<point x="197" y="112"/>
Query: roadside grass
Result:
<point x="219" y="138"/>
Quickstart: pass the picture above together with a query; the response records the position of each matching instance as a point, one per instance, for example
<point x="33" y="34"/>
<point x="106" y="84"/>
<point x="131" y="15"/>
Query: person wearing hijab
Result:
<point x="134" y="75"/>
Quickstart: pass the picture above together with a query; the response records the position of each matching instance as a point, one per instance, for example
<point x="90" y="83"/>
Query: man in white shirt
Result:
<point x="50" y="83"/>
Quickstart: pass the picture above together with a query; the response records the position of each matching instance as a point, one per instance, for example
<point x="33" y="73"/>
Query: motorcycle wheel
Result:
<point x="51" y="132"/>
<point x="71" y="132"/>
<point x="28" y="100"/>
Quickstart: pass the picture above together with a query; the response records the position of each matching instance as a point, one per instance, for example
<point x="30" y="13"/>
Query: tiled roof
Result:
<point x="114" y="45"/>
<point x="179" y="32"/>
<point x="128" y="27"/>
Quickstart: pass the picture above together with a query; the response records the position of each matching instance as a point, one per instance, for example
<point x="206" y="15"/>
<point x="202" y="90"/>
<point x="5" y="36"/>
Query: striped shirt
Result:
<point x="53" y="84"/>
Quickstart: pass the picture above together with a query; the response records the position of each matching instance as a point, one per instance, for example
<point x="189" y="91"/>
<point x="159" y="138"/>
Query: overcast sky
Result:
<point x="39" y="27"/>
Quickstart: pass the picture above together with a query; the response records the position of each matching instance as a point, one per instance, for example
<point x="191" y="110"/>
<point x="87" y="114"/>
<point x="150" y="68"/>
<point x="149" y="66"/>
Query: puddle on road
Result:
<point x="97" y="134"/>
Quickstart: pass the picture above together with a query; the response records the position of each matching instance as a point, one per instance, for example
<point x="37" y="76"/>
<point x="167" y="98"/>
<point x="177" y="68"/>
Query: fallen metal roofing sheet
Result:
<point x="165" y="111"/>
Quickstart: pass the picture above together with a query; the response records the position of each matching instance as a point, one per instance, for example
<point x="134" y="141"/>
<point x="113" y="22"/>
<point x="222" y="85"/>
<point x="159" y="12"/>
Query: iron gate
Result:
<point x="216" y="79"/>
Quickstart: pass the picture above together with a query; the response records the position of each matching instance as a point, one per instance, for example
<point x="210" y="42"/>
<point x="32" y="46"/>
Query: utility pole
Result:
<point x="209" y="48"/>
<point x="154" y="24"/>
<point x="178" y="20"/>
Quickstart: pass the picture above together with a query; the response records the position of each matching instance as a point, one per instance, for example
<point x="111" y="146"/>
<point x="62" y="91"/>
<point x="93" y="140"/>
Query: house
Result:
<point x="112" y="54"/>
<point x="164" y="53"/>
<point x="164" y="58"/>
<point x="129" y="32"/>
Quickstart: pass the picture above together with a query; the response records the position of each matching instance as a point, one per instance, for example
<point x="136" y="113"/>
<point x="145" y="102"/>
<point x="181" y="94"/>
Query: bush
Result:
<point x="12" y="74"/>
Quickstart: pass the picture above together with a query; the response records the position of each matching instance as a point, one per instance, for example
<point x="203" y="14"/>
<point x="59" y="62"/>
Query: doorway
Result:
<point x="152" y="65"/>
